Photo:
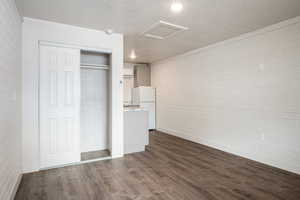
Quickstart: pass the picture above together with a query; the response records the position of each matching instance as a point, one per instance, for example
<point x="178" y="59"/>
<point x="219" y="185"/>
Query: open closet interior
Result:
<point x="94" y="105"/>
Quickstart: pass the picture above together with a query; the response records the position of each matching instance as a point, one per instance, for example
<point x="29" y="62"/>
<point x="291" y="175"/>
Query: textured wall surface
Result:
<point x="241" y="95"/>
<point x="10" y="97"/>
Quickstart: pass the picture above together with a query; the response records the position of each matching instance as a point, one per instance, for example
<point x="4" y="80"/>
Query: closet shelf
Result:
<point x="128" y="76"/>
<point x="92" y="66"/>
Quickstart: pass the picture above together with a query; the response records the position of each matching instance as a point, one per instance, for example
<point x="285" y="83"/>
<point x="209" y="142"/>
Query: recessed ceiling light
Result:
<point x="176" y="6"/>
<point x="109" y="31"/>
<point x="132" y="55"/>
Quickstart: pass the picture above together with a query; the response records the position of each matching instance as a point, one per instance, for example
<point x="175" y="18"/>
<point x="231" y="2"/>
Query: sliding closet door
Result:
<point x="59" y="106"/>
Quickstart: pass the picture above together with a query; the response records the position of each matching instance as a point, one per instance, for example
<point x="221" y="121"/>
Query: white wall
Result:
<point x="35" y="30"/>
<point x="128" y="80"/>
<point x="94" y="110"/>
<point x="241" y="95"/>
<point x="10" y="98"/>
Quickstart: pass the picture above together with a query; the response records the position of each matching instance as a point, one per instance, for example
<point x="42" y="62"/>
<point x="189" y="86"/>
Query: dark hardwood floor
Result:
<point x="170" y="169"/>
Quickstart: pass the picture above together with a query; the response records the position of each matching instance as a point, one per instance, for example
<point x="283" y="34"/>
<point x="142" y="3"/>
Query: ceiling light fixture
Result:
<point x="109" y="31"/>
<point x="176" y="6"/>
<point x="132" y="55"/>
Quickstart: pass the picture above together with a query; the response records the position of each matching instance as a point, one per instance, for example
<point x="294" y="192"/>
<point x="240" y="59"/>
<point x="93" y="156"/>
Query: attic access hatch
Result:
<point x="162" y="30"/>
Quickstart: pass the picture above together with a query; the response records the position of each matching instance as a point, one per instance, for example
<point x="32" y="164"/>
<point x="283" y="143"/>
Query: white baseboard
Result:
<point x="117" y="156"/>
<point x="204" y="142"/>
<point x="15" y="189"/>
<point x="283" y="166"/>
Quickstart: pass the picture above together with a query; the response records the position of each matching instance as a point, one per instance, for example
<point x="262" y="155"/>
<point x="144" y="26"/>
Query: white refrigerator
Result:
<point x="145" y="98"/>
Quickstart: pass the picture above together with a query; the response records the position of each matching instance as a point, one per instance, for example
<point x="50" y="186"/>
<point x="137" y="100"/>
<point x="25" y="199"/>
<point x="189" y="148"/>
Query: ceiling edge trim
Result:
<point x="43" y="21"/>
<point x="245" y="36"/>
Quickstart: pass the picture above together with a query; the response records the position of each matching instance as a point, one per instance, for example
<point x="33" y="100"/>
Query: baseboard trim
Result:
<point x="77" y="163"/>
<point x="289" y="168"/>
<point x="15" y="189"/>
<point x="117" y="156"/>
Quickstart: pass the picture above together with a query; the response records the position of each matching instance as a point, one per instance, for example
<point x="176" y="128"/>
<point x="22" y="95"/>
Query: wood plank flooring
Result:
<point x="170" y="169"/>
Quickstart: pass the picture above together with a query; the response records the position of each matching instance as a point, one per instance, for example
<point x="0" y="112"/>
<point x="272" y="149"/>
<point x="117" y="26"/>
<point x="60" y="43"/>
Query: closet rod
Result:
<point x="95" y="68"/>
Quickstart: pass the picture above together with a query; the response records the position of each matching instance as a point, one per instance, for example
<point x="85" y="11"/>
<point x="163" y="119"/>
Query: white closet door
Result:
<point x="59" y="106"/>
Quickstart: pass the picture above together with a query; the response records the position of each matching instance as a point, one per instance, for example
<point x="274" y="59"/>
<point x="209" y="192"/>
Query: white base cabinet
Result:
<point x="136" y="135"/>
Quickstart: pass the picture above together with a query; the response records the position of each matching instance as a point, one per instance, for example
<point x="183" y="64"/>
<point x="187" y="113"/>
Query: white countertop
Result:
<point x="133" y="109"/>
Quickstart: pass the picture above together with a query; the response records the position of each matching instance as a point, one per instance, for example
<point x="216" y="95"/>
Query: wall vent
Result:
<point x="162" y="30"/>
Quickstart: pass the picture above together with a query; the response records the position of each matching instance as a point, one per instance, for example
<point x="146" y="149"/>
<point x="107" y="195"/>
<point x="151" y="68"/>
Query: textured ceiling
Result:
<point x="209" y="21"/>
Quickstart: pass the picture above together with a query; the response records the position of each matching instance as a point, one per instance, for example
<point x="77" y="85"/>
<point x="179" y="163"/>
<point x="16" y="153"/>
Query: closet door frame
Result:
<point x="63" y="45"/>
<point x="85" y="48"/>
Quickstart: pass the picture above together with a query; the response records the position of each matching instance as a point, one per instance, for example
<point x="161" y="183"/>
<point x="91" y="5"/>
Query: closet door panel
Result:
<point x="59" y="106"/>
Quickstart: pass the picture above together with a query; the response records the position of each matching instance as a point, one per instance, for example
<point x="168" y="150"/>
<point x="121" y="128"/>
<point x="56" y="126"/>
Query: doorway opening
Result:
<point x="94" y="105"/>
